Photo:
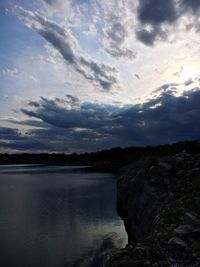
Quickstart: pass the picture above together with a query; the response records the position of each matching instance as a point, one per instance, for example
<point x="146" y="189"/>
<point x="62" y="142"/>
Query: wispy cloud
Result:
<point x="64" y="42"/>
<point x="118" y="29"/>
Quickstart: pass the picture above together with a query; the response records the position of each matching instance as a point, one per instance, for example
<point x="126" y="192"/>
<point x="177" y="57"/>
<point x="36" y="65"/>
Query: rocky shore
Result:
<point x="159" y="202"/>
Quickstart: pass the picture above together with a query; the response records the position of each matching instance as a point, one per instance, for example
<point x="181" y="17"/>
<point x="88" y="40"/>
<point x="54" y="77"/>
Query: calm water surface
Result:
<point x="57" y="216"/>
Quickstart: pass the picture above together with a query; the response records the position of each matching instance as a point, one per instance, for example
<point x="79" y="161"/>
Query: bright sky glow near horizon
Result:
<point x="87" y="75"/>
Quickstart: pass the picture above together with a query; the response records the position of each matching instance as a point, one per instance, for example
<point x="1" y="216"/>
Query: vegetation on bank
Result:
<point x="108" y="160"/>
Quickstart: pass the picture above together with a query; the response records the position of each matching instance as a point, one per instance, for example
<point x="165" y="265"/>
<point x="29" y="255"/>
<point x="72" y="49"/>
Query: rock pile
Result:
<point x="159" y="202"/>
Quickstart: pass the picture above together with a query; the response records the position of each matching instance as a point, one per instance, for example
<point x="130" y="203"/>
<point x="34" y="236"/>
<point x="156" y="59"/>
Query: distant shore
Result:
<point x="105" y="160"/>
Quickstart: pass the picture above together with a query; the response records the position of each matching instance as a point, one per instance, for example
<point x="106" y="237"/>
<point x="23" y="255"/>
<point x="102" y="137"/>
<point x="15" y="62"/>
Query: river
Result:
<point x="57" y="216"/>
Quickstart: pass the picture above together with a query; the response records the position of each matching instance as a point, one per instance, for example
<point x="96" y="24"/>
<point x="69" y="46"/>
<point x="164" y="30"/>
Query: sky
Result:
<point x="85" y="75"/>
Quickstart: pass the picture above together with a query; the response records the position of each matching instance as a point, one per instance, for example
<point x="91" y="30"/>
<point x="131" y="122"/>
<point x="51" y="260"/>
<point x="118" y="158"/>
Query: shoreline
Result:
<point x="159" y="202"/>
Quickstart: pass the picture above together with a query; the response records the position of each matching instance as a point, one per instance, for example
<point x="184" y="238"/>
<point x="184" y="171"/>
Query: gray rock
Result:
<point x="180" y="173"/>
<point x="155" y="181"/>
<point x="192" y="220"/>
<point x="165" y="165"/>
<point x="195" y="170"/>
<point x="125" y="262"/>
<point x="161" y="264"/>
<point x="183" y="155"/>
<point x="166" y="182"/>
<point x="158" y="253"/>
<point x="138" y="204"/>
<point x="176" y="243"/>
<point x="161" y="170"/>
<point x="183" y="230"/>
<point x="196" y="233"/>
<point x="139" y="253"/>
<point x="197" y="202"/>
<point x="152" y="203"/>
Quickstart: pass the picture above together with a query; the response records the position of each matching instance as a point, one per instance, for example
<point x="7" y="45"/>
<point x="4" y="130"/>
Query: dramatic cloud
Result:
<point x="74" y="126"/>
<point x="76" y="47"/>
<point x="148" y="37"/>
<point x="65" y="43"/>
<point x="194" y="5"/>
<point x="165" y="119"/>
<point x="69" y="113"/>
<point x="162" y="16"/>
<point x="157" y="11"/>
<point x="10" y="134"/>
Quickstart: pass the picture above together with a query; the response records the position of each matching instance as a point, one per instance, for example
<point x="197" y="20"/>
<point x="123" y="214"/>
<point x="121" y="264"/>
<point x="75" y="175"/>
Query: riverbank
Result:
<point x="159" y="202"/>
<point x="109" y="160"/>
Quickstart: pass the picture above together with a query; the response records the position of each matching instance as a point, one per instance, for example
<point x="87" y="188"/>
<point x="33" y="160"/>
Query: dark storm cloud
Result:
<point x="157" y="13"/>
<point x="89" y="127"/>
<point x="148" y="37"/>
<point x="13" y="139"/>
<point x="164" y="119"/>
<point x="9" y="134"/>
<point x="154" y="13"/>
<point x="65" y="43"/>
<point x="34" y="123"/>
<point x="194" y="5"/>
<point x="54" y="139"/>
<point x="67" y="113"/>
<point x="26" y="145"/>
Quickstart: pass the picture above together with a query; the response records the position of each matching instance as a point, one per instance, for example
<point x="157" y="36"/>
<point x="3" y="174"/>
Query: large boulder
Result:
<point x="158" y="201"/>
<point x="139" y="202"/>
